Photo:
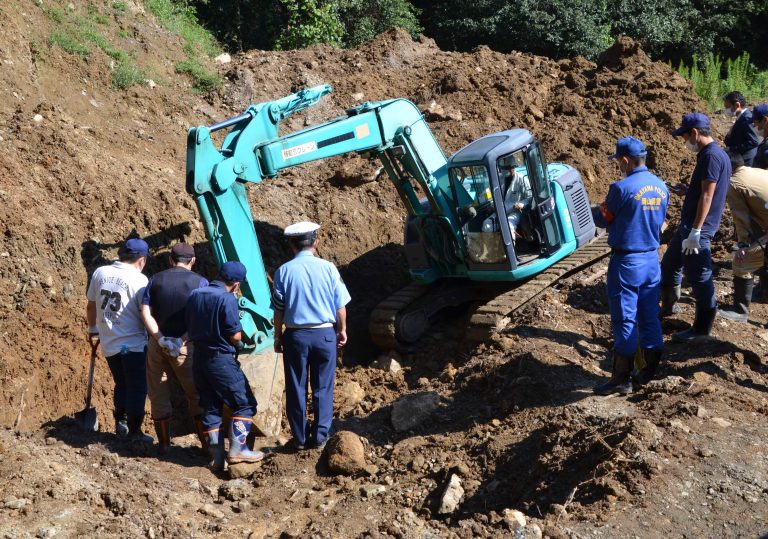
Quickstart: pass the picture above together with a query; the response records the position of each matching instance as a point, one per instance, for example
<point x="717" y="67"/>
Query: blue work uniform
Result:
<point x="308" y="291"/>
<point x="742" y="137"/>
<point x="712" y="165"/>
<point x="634" y="211"/>
<point x="761" y="158"/>
<point x="212" y="318"/>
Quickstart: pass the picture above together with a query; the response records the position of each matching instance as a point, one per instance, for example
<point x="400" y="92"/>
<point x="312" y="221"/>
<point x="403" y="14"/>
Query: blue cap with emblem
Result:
<point x="302" y="228"/>
<point x="233" y="271"/>
<point x="135" y="246"/>
<point x="629" y="147"/>
<point x="694" y="120"/>
<point x="760" y="111"/>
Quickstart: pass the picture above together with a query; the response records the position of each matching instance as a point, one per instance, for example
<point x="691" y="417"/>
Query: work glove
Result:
<point x="172" y="345"/>
<point x="692" y="243"/>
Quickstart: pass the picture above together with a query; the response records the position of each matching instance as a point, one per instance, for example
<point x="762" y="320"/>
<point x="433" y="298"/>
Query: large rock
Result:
<point x="348" y="395"/>
<point x="243" y="469"/>
<point x="451" y="496"/>
<point x="346" y="454"/>
<point x="411" y="410"/>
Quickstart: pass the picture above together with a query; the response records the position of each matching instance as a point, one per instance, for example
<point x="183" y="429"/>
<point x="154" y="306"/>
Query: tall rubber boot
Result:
<point x="215" y="446"/>
<point x="121" y="424"/>
<point x="163" y="431"/>
<point x="620" y="381"/>
<point x="201" y="433"/>
<point x="742" y="298"/>
<point x="701" y="328"/>
<point x="652" y="357"/>
<point x="134" y="430"/>
<point x="670" y="295"/>
<point x="238" y="448"/>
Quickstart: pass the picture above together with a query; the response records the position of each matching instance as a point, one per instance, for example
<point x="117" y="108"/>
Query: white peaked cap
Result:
<point x="301" y="228"/>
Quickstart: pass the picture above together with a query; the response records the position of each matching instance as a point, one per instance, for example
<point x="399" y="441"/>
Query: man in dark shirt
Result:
<point x="689" y="249"/>
<point x="213" y="326"/>
<point x="162" y="311"/>
<point x="760" y="121"/>
<point x="633" y="212"/>
<point x="741" y="138"/>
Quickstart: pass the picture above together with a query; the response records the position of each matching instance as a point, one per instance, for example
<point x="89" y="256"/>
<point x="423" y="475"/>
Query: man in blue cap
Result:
<point x="689" y="249"/>
<point x="633" y="213"/>
<point x="213" y="327"/>
<point x="309" y="298"/>
<point x="741" y="138"/>
<point x="114" y="298"/>
<point x="760" y="121"/>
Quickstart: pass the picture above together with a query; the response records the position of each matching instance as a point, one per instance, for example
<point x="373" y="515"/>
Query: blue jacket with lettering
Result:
<point x="634" y="211"/>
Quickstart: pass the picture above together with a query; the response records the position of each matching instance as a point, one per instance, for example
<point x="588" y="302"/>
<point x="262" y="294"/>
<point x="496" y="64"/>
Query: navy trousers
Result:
<point x="220" y="381"/>
<point x="313" y="350"/>
<point x="129" y="370"/>
<point x="697" y="269"/>
<point x="633" y="301"/>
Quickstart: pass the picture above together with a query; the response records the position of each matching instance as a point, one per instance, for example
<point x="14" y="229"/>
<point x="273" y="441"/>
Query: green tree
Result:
<point x="365" y="19"/>
<point x="310" y="22"/>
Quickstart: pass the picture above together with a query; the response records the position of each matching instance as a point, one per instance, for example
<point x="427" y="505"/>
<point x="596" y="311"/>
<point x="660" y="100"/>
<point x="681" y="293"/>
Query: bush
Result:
<point x="69" y="43"/>
<point x="308" y="23"/>
<point x="126" y="75"/>
<point x="203" y="80"/>
<point x="712" y="78"/>
<point x="363" y="20"/>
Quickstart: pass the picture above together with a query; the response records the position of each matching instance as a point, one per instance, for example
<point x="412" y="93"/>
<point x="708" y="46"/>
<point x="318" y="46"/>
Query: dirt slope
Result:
<point x="83" y="165"/>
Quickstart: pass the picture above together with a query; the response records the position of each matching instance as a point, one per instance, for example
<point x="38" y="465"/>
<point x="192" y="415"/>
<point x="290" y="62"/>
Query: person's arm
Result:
<point x="705" y="202"/>
<point x="278" y="319"/>
<point x="236" y="338"/>
<point x="90" y="315"/>
<point x="341" y="327"/>
<point x="150" y="323"/>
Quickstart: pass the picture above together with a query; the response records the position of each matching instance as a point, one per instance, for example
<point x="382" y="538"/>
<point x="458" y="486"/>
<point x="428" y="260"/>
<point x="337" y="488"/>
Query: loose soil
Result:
<point x="83" y="166"/>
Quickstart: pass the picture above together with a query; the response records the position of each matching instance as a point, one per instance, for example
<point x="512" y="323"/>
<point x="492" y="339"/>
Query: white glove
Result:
<point x="691" y="244"/>
<point x="172" y="345"/>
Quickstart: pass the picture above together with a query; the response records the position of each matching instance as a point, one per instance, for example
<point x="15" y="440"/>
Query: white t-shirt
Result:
<point x="117" y="291"/>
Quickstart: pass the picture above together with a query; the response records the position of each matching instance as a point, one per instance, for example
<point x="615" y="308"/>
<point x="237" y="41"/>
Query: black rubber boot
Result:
<point x="163" y="431"/>
<point x="652" y="357"/>
<point x="201" y="433"/>
<point x="670" y="295"/>
<point x="134" y="430"/>
<point x="620" y="381"/>
<point x="121" y="424"/>
<point x="742" y="297"/>
<point x="701" y="328"/>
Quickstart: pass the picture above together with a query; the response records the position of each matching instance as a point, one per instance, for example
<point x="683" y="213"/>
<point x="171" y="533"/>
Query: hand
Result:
<point x="278" y="345"/>
<point x="680" y="189"/>
<point x="518" y="205"/>
<point x="93" y="335"/>
<point x="341" y="338"/>
<point x="692" y="243"/>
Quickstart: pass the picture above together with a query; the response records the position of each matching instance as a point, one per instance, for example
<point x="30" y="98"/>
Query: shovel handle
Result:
<point x="89" y="393"/>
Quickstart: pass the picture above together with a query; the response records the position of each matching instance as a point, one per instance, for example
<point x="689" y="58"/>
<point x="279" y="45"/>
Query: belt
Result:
<point x="309" y="326"/>
<point x="625" y="252"/>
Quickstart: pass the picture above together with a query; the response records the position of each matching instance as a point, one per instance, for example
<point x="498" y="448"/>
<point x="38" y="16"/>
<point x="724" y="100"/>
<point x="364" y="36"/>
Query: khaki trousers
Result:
<point x="158" y="385"/>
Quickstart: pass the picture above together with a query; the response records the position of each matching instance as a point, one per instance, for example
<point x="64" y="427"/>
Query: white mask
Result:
<point x="761" y="132"/>
<point x="729" y="112"/>
<point x="691" y="146"/>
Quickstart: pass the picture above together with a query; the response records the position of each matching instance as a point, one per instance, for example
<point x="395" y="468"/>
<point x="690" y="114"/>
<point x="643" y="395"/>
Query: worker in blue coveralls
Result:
<point x="689" y="249"/>
<point x="213" y="327"/>
<point x="760" y="121"/>
<point x="309" y="299"/>
<point x="742" y="137"/>
<point x="634" y="213"/>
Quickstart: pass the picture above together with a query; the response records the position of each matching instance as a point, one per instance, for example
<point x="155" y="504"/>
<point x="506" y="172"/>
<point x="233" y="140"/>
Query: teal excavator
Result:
<point x="463" y="239"/>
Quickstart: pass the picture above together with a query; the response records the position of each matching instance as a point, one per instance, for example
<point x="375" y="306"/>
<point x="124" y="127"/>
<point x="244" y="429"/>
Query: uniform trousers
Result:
<point x="312" y="350"/>
<point x="129" y="371"/>
<point x="633" y="301"/>
<point x="159" y="363"/>
<point x="697" y="268"/>
<point x="220" y="381"/>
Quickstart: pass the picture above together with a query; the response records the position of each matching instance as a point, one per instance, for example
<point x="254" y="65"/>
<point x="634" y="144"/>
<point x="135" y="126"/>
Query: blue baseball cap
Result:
<point x="233" y="271"/>
<point x="760" y="111"/>
<point x="135" y="246"/>
<point x="694" y="120"/>
<point x="629" y="147"/>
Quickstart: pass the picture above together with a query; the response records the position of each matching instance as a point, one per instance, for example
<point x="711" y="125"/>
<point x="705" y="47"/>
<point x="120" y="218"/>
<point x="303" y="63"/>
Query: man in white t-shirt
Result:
<point x="114" y="298"/>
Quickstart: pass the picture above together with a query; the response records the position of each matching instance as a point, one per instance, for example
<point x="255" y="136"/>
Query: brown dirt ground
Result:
<point x="685" y="457"/>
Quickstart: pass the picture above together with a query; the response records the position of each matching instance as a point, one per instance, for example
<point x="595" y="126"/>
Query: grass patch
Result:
<point x="714" y="77"/>
<point x="120" y="6"/>
<point x="54" y="14"/>
<point x="69" y="43"/>
<point x="204" y="80"/>
<point x="126" y="74"/>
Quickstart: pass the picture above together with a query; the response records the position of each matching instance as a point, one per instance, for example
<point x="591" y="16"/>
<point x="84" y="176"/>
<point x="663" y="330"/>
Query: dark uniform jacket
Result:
<point x="742" y="138"/>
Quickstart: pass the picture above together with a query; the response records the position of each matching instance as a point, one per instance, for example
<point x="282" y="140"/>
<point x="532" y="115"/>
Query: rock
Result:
<point x="358" y="96"/>
<point x="370" y="490"/>
<point x="436" y="112"/>
<point x="348" y="395"/>
<point x="676" y="423"/>
<point x="418" y="463"/>
<point x="701" y="412"/>
<point x="449" y="373"/>
<point x="514" y="519"/>
<point x="110" y="459"/>
<point x="234" y="490"/>
<point x="223" y="58"/>
<point x="410" y="411"/>
<point x="559" y="510"/>
<point x="451" y="496"/>
<point x="152" y="84"/>
<point x="670" y="384"/>
<point x="647" y="434"/>
<point x="242" y="506"/>
<point x="243" y="469"/>
<point x="536" y="112"/>
<point x="211" y="511"/>
<point x="50" y="440"/>
<point x="389" y="362"/>
<point x="346" y="454"/>
<point x="534" y="532"/>
<point x="423" y="382"/>
<point x="37" y="118"/>
<point x="15" y="503"/>
<point x="46" y="532"/>
<point x="704" y="452"/>
<point x="719" y="421"/>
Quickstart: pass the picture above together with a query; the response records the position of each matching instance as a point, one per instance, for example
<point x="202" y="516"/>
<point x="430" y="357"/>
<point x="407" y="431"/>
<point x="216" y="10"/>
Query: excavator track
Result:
<point x="394" y="326"/>
<point x="494" y="315"/>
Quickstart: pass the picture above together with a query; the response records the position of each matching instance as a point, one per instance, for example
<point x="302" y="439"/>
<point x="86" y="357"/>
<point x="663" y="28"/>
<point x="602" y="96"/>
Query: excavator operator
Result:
<point x="517" y="197"/>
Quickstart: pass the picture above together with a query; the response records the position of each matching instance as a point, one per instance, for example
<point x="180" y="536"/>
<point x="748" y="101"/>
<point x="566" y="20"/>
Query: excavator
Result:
<point x="464" y="241"/>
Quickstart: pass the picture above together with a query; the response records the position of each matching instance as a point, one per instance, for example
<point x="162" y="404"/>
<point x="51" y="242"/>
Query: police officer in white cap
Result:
<point x="309" y="299"/>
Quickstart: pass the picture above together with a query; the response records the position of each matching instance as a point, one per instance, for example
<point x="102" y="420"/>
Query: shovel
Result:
<point x="86" y="418"/>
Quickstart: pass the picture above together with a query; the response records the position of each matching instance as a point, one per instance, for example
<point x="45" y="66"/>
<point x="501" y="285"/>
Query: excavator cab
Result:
<point x="505" y="201"/>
